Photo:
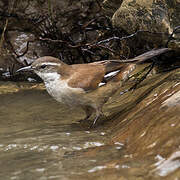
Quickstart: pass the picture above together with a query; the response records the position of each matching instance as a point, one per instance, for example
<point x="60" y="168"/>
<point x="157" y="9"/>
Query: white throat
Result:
<point x="48" y="77"/>
<point x="60" y="90"/>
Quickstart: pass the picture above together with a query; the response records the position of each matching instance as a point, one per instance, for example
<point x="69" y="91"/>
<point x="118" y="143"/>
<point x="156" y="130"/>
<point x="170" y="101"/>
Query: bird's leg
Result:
<point x="89" y="111"/>
<point x="99" y="113"/>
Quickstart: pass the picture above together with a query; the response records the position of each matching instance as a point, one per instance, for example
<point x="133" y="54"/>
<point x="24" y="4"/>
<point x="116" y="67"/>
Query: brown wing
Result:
<point x="110" y="65"/>
<point x="86" y="76"/>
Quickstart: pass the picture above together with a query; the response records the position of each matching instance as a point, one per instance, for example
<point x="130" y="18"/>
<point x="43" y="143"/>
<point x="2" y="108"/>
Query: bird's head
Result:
<point x="48" y="68"/>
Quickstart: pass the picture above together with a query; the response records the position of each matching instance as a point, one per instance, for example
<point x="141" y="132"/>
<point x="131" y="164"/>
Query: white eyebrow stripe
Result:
<point x="51" y="64"/>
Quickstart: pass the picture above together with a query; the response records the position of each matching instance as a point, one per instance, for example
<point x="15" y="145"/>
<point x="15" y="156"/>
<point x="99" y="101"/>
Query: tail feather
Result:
<point x="123" y="72"/>
<point x="150" y="54"/>
<point x="113" y="65"/>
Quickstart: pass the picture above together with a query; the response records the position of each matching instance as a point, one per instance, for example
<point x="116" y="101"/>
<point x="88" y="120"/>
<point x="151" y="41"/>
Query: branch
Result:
<point x="59" y="41"/>
<point x="26" y="50"/>
<point x="171" y="35"/>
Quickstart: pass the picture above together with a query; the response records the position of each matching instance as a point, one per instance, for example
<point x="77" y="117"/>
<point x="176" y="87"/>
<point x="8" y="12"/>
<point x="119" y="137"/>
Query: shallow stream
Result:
<point x="42" y="139"/>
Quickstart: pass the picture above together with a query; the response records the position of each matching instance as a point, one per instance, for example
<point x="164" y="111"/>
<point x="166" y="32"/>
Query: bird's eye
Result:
<point x="43" y="66"/>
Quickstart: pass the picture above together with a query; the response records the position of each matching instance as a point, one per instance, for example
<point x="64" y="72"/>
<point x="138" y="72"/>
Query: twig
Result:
<point x="59" y="41"/>
<point x="126" y="37"/>
<point x="171" y="35"/>
<point x="26" y="50"/>
<point x="143" y="77"/>
<point x="140" y="72"/>
<point x="140" y="80"/>
<point x="105" y="47"/>
<point x="3" y="33"/>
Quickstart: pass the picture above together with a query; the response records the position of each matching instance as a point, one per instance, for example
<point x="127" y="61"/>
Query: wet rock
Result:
<point x="173" y="10"/>
<point x="19" y="43"/>
<point x="110" y="6"/>
<point x="158" y="17"/>
<point x="144" y="15"/>
<point x="146" y="125"/>
<point x="148" y="120"/>
<point x="175" y="45"/>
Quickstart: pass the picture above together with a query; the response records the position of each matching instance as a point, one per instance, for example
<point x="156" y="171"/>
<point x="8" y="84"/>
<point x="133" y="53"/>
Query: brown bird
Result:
<point x="86" y="85"/>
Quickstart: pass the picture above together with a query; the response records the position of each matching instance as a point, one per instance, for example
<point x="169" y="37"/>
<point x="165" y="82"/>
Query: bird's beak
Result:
<point x="27" y="68"/>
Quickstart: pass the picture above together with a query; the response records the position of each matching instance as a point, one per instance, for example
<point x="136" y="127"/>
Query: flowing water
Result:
<point x="42" y="139"/>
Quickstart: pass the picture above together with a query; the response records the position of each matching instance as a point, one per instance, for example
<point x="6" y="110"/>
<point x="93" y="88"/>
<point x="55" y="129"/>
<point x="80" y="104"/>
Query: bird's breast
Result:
<point x="62" y="92"/>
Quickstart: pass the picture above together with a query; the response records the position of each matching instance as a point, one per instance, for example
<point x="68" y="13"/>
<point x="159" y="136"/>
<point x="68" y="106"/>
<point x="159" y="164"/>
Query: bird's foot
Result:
<point x="96" y="119"/>
<point x="88" y="120"/>
<point x="85" y="123"/>
<point x="83" y="120"/>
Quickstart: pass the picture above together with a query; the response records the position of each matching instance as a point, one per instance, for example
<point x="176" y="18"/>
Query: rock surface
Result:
<point x="153" y="16"/>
